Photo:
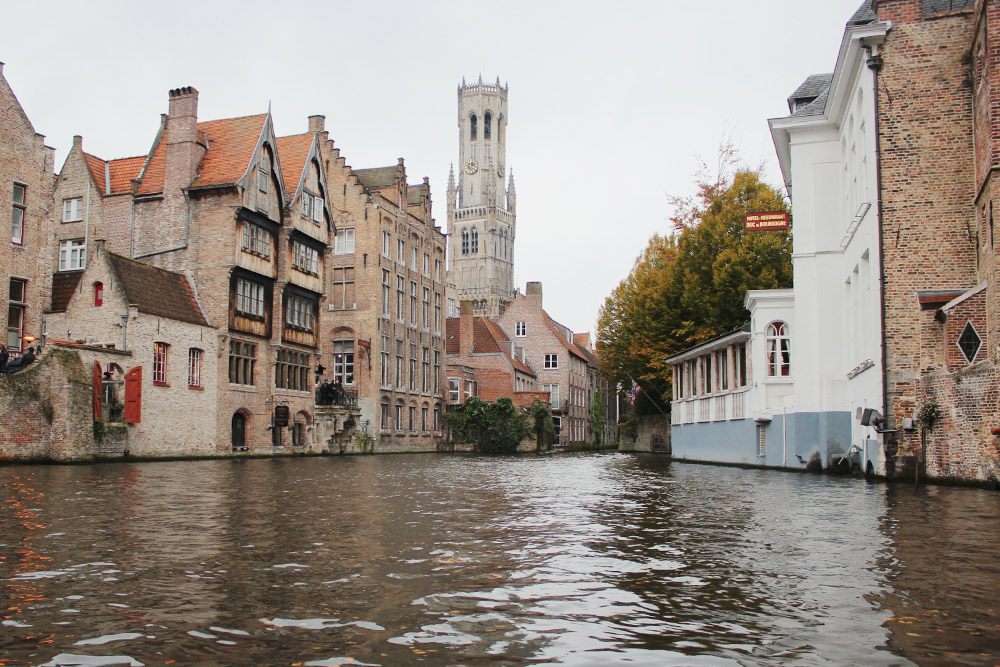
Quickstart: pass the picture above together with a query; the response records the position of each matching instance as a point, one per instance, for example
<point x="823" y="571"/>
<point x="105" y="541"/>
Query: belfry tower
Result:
<point x="481" y="206"/>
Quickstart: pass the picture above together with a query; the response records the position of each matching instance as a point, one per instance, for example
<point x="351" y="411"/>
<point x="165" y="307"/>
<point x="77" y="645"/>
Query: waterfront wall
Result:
<point x="46" y="410"/>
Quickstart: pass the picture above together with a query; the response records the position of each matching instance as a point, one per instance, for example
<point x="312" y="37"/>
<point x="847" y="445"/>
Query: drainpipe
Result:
<point x="875" y="65"/>
<point x="86" y="227"/>
<point x="784" y="436"/>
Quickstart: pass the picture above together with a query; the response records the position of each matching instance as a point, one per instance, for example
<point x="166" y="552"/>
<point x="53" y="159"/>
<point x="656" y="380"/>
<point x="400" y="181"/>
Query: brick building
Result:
<point x="385" y="302"/>
<point x="483" y="361"/>
<point x="560" y="365"/>
<point x="26" y="173"/>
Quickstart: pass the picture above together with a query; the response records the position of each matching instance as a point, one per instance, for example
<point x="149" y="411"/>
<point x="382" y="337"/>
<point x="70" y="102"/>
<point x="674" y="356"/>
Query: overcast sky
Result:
<point x="612" y="105"/>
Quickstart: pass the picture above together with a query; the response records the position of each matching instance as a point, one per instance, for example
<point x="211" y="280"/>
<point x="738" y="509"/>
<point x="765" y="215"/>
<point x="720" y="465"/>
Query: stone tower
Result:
<point x="481" y="204"/>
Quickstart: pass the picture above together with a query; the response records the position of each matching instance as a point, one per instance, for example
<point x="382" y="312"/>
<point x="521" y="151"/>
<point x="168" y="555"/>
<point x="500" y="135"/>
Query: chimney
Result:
<point x="77" y="141"/>
<point x="533" y="292"/>
<point x="317" y="123"/>
<point x="183" y="152"/>
<point x="465" y="328"/>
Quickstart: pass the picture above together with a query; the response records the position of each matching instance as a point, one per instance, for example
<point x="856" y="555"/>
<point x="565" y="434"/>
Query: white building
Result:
<point x="815" y="356"/>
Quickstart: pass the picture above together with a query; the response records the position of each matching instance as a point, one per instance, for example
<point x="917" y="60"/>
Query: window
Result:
<point x="474" y="241"/>
<point x="262" y="177"/>
<point x="437" y="369"/>
<point x="242" y="362"/>
<point x="413" y="303"/>
<point x="17" y="216"/>
<point x="425" y="367"/>
<point x="387" y="244"/>
<point x="472" y="127"/>
<point x="343" y="242"/>
<point x="305" y="258"/>
<point x="553" y="390"/>
<point x="401" y="251"/>
<point x="299" y="312"/>
<point x="437" y="312"/>
<point x="413" y="367"/>
<point x="487" y="124"/>
<point x="307" y="205"/>
<point x="465" y="242"/>
<point x="400" y="298"/>
<point x="969" y="342"/>
<point x="471" y="389"/>
<point x="292" y="370"/>
<point x="317" y="212"/>
<point x="413" y="418"/>
<point x="413" y="257"/>
<point x="437" y="270"/>
<point x="427" y="265"/>
<point x="256" y="240"/>
<point x="400" y="365"/>
<point x="520" y="329"/>
<point x="343" y="361"/>
<point x="160" y="363"/>
<point x="741" y="365"/>
<point x="72" y="255"/>
<point x="423" y="419"/>
<point x="454" y="390"/>
<point x="437" y="418"/>
<point x="72" y="209"/>
<point x="427" y="308"/>
<point x="15" y="314"/>
<point x="342" y="295"/>
<point x="399" y="416"/>
<point x="385" y="416"/>
<point x="778" y="352"/>
<point x="551" y="361"/>
<point x="249" y="298"/>
<point x="386" y="377"/>
<point x="194" y="367"/>
<point x="386" y="291"/>
<point x="98" y="294"/>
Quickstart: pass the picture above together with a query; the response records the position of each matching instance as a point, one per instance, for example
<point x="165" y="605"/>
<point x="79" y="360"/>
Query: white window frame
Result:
<point x="778" y="350"/>
<point x="17" y="214"/>
<point x="454" y="390"/>
<point x="73" y="209"/>
<point x="551" y="362"/>
<point x="249" y="298"/>
<point x="72" y="255"/>
<point x="305" y="258"/>
<point x="343" y="242"/>
<point x="520" y="329"/>
<point x="553" y="390"/>
<point x="317" y="210"/>
<point x="299" y="312"/>
<point x="160" y="354"/>
<point x="387" y="245"/>
<point x="343" y="361"/>
<point x="194" y="367"/>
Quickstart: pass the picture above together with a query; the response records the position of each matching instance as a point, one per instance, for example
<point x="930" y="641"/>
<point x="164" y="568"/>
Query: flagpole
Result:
<point x="651" y="400"/>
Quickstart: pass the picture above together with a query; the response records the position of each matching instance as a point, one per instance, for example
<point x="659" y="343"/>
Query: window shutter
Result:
<point x="133" y="395"/>
<point x="98" y="387"/>
<point x="318" y="209"/>
<point x="306" y="203"/>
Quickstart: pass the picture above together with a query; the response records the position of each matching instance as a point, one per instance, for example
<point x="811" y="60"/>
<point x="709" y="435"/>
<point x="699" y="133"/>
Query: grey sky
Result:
<point x="612" y="105"/>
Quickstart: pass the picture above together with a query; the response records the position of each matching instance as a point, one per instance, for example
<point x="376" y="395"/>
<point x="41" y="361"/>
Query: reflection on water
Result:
<point x="580" y="560"/>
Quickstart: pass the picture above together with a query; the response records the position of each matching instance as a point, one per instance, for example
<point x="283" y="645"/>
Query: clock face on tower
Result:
<point x="471" y="166"/>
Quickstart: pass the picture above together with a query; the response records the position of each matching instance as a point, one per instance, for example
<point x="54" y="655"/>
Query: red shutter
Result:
<point x="133" y="395"/>
<point x="98" y="387"/>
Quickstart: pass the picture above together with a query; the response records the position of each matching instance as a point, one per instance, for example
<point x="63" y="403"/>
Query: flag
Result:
<point x="635" y="391"/>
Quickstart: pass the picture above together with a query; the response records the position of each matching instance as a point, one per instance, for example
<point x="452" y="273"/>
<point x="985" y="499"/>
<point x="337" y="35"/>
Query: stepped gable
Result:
<point x="64" y="283"/>
<point x="156" y="291"/>
<point x="294" y="151"/>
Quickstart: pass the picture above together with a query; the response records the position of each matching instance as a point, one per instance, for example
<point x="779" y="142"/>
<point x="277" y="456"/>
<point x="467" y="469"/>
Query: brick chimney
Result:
<point x="465" y="328"/>
<point x="533" y="292"/>
<point x="183" y="152"/>
<point x="317" y="123"/>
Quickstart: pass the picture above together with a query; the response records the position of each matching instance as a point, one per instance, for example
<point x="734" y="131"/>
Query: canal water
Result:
<point x="457" y="560"/>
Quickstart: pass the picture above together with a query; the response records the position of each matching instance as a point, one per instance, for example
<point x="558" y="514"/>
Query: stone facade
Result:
<point x="26" y="173"/>
<point x="481" y="209"/>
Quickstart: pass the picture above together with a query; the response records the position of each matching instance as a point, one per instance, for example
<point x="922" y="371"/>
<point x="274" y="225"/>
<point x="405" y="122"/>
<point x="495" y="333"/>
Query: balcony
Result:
<point x="328" y="396"/>
<point x="722" y="406"/>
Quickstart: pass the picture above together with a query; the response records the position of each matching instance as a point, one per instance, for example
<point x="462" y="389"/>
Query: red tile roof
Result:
<point x="123" y="170"/>
<point x="157" y="291"/>
<point x="487" y="338"/>
<point x="96" y="166"/>
<point x="452" y="329"/>
<point x="294" y="151"/>
<point x="230" y="141"/>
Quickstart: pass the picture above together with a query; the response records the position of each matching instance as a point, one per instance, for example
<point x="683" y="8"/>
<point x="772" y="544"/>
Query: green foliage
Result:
<point x="597" y="418"/>
<point x="930" y="414"/>
<point x="493" y="428"/>
<point x="545" y="428"/>
<point x="689" y="287"/>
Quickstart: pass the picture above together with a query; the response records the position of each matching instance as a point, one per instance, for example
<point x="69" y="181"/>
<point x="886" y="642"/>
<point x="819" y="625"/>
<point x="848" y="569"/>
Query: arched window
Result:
<point x="465" y="241"/>
<point x="472" y="127"/>
<point x="475" y="241"/>
<point x="779" y="359"/>
<point x="487" y="123"/>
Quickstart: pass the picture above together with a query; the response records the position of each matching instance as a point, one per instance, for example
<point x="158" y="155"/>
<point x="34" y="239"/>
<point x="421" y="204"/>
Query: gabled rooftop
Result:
<point x="156" y="291"/>
<point x="294" y="151"/>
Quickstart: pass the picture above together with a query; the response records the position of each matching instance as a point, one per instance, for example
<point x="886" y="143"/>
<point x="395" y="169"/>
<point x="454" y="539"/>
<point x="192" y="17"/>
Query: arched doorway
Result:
<point x="239" y="431"/>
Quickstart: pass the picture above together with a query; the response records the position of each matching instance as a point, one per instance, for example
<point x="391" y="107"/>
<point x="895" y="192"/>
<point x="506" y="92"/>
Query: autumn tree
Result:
<point x="689" y="287"/>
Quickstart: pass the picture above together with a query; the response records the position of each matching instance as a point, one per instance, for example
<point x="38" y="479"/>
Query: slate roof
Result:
<point x="413" y="194"/>
<point x="377" y="178"/>
<point x="294" y="151"/>
<point x="63" y="285"/>
<point x="814" y="87"/>
<point x="864" y="15"/>
<point x="938" y="6"/>
<point x="816" y="107"/>
<point x="156" y="291"/>
<point x="230" y="142"/>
